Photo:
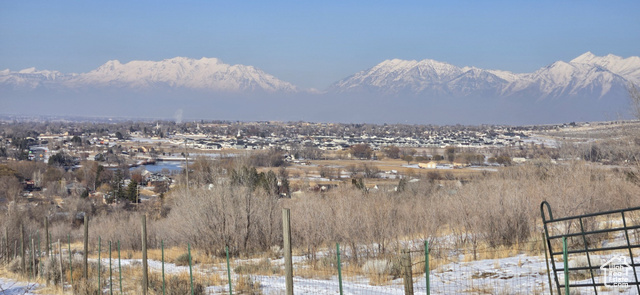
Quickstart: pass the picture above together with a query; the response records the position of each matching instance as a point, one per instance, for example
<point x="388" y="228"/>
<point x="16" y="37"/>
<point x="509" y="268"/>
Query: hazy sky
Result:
<point x="314" y="43"/>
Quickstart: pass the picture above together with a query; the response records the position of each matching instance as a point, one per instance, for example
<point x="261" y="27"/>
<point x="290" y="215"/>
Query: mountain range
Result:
<point x="205" y="73"/>
<point x="587" y="75"/>
<point x="588" y="87"/>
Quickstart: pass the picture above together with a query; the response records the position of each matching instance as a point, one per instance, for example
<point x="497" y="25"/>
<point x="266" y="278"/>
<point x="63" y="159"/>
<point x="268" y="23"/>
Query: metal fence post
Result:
<point x="119" y="267"/>
<point x="408" y="278"/>
<point x="339" y="268"/>
<point x="60" y="262"/>
<point x="145" y="267"/>
<point x="99" y="262"/>
<point x="546" y="260"/>
<point x="190" y="270"/>
<point x="566" y="265"/>
<point x="86" y="247"/>
<point x="226" y="249"/>
<point x="110" y="272"/>
<point x="162" y="247"/>
<point x="288" y="262"/>
<point x="426" y="267"/>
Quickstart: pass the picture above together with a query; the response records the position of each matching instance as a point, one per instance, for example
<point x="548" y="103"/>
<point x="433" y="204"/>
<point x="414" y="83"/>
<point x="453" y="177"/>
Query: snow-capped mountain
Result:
<point x="586" y="75"/>
<point x="205" y="73"/>
<point x="30" y="78"/>
<point x="586" y="88"/>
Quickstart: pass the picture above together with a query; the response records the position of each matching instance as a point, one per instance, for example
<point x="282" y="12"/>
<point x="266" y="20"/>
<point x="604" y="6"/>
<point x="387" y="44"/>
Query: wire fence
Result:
<point x="518" y="269"/>
<point x="436" y="266"/>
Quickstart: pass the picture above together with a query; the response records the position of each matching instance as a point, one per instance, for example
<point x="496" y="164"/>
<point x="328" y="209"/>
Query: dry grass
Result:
<point x="43" y="288"/>
<point x="171" y="255"/>
<point x="177" y="284"/>
<point x="262" y="267"/>
<point x="245" y="285"/>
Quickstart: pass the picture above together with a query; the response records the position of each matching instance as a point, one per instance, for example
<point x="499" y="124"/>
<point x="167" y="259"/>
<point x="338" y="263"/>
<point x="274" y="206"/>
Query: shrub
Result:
<point x="51" y="270"/>
<point x="377" y="266"/>
<point x="88" y="287"/>
<point x="174" y="284"/>
<point x="183" y="259"/>
<point x="16" y="267"/>
<point x="391" y="267"/>
<point x="263" y="267"/>
<point x="245" y="285"/>
<point x="581" y="261"/>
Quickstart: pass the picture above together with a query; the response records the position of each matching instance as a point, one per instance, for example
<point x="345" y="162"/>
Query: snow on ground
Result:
<point x="538" y="139"/>
<point x="519" y="274"/>
<point x="11" y="287"/>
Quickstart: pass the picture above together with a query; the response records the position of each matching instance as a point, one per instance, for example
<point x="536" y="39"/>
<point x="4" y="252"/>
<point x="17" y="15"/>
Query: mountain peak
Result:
<point x="590" y="58"/>
<point x="30" y="70"/>
<point x="586" y="57"/>
<point x="396" y="62"/>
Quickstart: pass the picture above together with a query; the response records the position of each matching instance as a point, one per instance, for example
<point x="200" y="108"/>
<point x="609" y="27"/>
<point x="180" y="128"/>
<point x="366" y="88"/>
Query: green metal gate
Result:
<point x="600" y="241"/>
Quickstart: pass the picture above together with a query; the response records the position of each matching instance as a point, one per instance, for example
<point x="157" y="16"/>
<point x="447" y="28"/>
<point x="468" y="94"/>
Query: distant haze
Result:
<point x="587" y="88"/>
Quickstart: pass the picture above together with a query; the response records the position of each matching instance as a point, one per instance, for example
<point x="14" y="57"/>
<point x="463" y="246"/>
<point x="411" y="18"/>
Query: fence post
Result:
<point x="46" y="232"/>
<point x="190" y="270"/>
<point x="23" y="262"/>
<point x="110" y="272"/>
<point x="226" y="250"/>
<point x="546" y="260"/>
<point x="288" y="262"/>
<point x="408" y="278"/>
<point x="99" y="262"/>
<point x="427" y="269"/>
<point x="39" y="253"/>
<point x="339" y="268"/>
<point x="86" y="247"/>
<point x="70" y="262"/>
<point x="145" y="270"/>
<point x="33" y="258"/>
<point x="566" y="266"/>
<point x="60" y="262"/>
<point x="31" y="252"/>
<point x="119" y="267"/>
<point x="162" y="247"/>
<point x="6" y="244"/>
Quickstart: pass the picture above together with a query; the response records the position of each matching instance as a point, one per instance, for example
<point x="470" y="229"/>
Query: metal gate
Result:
<point x="596" y="244"/>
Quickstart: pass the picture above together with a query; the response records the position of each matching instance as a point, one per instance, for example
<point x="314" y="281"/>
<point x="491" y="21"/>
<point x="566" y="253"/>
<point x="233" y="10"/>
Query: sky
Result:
<point x="314" y="43"/>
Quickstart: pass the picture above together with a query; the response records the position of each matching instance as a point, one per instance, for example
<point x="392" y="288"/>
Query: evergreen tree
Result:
<point x="116" y="185"/>
<point x="132" y="191"/>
